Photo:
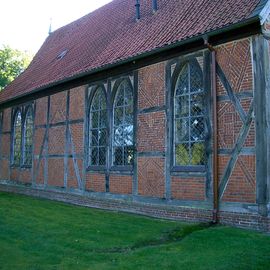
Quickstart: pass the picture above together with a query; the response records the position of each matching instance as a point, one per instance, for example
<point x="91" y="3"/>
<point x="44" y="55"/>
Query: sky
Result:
<point x="24" y="24"/>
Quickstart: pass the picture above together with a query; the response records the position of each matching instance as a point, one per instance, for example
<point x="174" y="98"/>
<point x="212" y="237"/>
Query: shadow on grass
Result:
<point x="168" y="237"/>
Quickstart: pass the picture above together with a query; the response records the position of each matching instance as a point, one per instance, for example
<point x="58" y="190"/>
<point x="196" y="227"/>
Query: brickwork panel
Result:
<point x="6" y="120"/>
<point x="121" y="184"/>
<point x="222" y="164"/>
<point x="56" y="172"/>
<point x="57" y="137"/>
<point x="15" y="174"/>
<point x="151" y="86"/>
<point x="26" y="176"/>
<point x="230" y="124"/>
<point x="58" y="107"/>
<point x="188" y="188"/>
<point x="77" y="138"/>
<point x="96" y="182"/>
<point x="41" y="111"/>
<point x="72" y="177"/>
<point x="151" y="132"/>
<point x="5" y="146"/>
<point x="76" y="105"/>
<point x="242" y="186"/>
<point x="151" y="177"/>
<point x="235" y="60"/>
<point x="4" y="166"/>
<point x="38" y="140"/>
<point x="39" y="172"/>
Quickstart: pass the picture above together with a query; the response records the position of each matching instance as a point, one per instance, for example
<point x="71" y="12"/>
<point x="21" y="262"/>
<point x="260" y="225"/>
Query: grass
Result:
<point x="40" y="234"/>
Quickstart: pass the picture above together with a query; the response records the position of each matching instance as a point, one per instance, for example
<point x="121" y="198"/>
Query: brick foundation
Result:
<point x="241" y="220"/>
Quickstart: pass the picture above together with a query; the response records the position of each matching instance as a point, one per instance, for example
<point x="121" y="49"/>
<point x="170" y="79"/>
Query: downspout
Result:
<point x="215" y="135"/>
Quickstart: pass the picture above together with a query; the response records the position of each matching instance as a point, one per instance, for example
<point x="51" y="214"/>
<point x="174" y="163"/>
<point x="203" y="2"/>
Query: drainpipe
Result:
<point x="215" y="135"/>
<point x="137" y="5"/>
<point x="154" y="5"/>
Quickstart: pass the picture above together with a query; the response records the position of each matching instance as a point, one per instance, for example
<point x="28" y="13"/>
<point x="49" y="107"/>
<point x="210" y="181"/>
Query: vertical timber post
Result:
<point x="261" y="75"/>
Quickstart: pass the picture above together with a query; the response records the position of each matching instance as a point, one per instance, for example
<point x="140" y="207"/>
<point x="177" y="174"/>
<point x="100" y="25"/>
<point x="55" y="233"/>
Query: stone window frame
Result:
<point x="174" y="68"/>
<point x="110" y="87"/>
<point x="23" y="109"/>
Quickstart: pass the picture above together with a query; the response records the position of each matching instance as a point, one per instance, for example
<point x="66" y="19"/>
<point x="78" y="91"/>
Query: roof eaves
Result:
<point x="250" y="20"/>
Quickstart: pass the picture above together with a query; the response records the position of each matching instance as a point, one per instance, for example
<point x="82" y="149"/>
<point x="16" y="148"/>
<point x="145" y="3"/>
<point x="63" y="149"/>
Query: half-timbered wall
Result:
<point x="60" y="143"/>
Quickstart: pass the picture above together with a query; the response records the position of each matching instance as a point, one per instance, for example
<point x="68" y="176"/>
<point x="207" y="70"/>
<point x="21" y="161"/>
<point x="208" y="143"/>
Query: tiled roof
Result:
<point x="111" y="34"/>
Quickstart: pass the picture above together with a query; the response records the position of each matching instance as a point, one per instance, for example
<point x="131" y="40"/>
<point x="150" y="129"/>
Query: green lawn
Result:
<point x="40" y="234"/>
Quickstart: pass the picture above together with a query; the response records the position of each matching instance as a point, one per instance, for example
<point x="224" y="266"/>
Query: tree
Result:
<point x="12" y="64"/>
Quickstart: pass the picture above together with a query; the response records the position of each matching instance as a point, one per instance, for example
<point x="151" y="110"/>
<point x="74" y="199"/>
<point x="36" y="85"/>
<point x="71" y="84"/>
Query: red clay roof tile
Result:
<point x="111" y="34"/>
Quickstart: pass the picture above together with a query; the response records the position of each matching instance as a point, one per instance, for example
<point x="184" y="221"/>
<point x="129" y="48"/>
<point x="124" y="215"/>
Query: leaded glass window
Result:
<point x="123" y="125"/>
<point x="17" y="138"/>
<point x="28" y="138"/>
<point x="98" y="129"/>
<point x="189" y="117"/>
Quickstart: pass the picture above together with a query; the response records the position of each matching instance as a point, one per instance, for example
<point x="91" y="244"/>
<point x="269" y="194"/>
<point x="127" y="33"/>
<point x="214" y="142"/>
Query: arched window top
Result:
<point x="17" y="137"/>
<point x="18" y="117"/>
<point x="28" y="137"/>
<point x="189" y="116"/>
<point x="98" y="100"/>
<point x="123" y="118"/>
<point x="98" y="129"/>
<point x="124" y="95"/>
<point x="190" y="79"/>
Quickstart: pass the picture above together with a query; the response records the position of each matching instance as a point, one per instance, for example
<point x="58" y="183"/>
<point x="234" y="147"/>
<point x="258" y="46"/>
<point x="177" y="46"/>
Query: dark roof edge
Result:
<point x="155" y="51"/>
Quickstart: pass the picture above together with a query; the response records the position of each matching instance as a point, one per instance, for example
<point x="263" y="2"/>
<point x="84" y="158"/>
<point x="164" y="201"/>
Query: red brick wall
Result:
<point x="76" y="110"/>
<point x="151" y="132"/>
<point x="56" y="172"/>
<point x="57" y="140"/>
<point x="58" y="107"/>
<point x="41" y="111"/>
<point x="95" y="182"/>
<point x="73" y="181"/>
<point x="151" y="176"/>
<point x="7" y="120"/>
<point x="15" y="174"/>
<point x="5" y="147"/>
<point x="39" y="172"/>
<point x="4" y="169"/>
<point x="151" y="86"/>
<point x="188" y="188"/>
<point x="77" y="134"/>
<point x="38" y="140"/>
<point x="26" y="176"/>
<point x="235" y="61"/>
<point x="121" y="184"/>
<point x="242" y="185"/>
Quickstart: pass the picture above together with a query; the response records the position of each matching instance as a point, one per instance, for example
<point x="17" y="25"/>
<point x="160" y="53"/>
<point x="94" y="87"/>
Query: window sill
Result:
<point x="126" y="168"/>
<point x="187" y="169"/>
<point x="96" y="169"/>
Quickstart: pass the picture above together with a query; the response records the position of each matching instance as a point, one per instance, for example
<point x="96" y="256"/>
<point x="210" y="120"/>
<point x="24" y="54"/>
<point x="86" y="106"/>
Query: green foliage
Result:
<point x="12" y="63"/>
<point x="182" y="155"/>
<point x="39" y="234"/>
<point x="198" y="150"/>
<point x="197" y="154"/>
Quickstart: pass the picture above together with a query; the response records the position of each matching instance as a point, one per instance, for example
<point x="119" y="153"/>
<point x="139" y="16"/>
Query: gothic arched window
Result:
<point x="189" y="117"/>
<point x="123" y="138"/>
<point x="28" y="137"/>
<point x="98" y="129"/>
<point x="17" y="138"/>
